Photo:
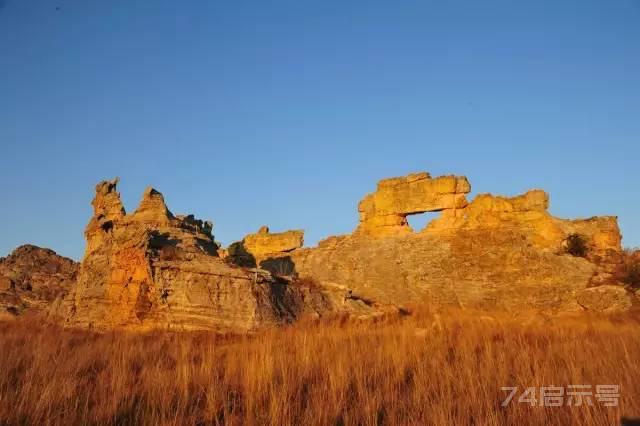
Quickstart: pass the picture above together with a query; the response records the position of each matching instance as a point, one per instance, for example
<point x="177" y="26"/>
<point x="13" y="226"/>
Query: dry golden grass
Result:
<point x="410" y="370"/>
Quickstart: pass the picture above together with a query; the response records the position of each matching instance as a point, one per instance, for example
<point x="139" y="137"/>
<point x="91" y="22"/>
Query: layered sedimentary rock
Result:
<point x="271" y="253"/>
<point x="151" y="269"/>
<point x="31" y="278"/>
<point x="264" y="243"/>
<point x="494" y="253"/>
<point x="528" y="213"/>
<point x="385" y="211"/>
<point x="267" y="250"/>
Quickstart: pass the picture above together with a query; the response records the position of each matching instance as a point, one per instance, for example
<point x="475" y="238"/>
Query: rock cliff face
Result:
<point x="31" y="278"/>
<point x="151" y="269"/>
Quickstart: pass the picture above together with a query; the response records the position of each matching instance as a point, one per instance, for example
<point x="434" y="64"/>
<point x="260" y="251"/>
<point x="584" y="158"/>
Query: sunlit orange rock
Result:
<point x="505" y="253"/>
<point x="153" y="269"/>
<point x="385" y="211"/>
<point x="264" y="243"/>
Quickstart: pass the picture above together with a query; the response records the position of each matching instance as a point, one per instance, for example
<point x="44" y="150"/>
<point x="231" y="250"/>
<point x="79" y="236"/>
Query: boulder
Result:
<point x="605" y="299"/>
<point x="264" y="243"/>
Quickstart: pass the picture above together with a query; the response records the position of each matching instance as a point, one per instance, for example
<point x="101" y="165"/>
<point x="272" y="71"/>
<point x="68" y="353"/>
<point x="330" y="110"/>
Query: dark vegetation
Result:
<point x="576" y="245"/>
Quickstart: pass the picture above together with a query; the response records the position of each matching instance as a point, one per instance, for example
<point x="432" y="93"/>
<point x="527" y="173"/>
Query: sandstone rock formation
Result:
<point x="385" y="211"/>
<point x="494" y="253"/>
<point x="528" y="213"/>
<point x="152" y="269"/>
<point x="267" y="250"/>
<point x="31" y="278"/>
<point x="264" y="243"/>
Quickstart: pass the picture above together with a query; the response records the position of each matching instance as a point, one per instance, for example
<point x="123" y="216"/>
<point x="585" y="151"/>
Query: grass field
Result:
<point x="418" y="369"/>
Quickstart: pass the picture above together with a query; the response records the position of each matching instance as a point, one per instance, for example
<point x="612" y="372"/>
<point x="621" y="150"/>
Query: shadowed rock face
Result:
<point x="32" y="278"/>
<point x="152" y="269"/>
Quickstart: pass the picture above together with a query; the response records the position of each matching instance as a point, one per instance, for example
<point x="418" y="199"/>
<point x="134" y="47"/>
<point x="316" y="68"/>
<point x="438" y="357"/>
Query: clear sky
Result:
<point x="285" y="113"/>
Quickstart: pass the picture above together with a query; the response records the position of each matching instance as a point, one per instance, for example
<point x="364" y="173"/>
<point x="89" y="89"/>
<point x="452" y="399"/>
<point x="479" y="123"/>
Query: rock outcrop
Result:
<point x="32" y="278"/>
<point x="263" y="243"/>
<point x="267" y="250"/>
<point x="152" y="269"/>
<point x="528" y="213"/>
<point x="385" y="211"/>
<point x="493" y="253"/>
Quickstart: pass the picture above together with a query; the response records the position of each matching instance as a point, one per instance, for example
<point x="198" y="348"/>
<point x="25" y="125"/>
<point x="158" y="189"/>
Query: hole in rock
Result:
<point x="419" y="221"/>
<point x="107" y="226"/>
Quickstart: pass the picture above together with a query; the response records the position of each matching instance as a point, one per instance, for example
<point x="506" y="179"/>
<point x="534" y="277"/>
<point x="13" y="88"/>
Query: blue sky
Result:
<point x="286" y="113"/>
